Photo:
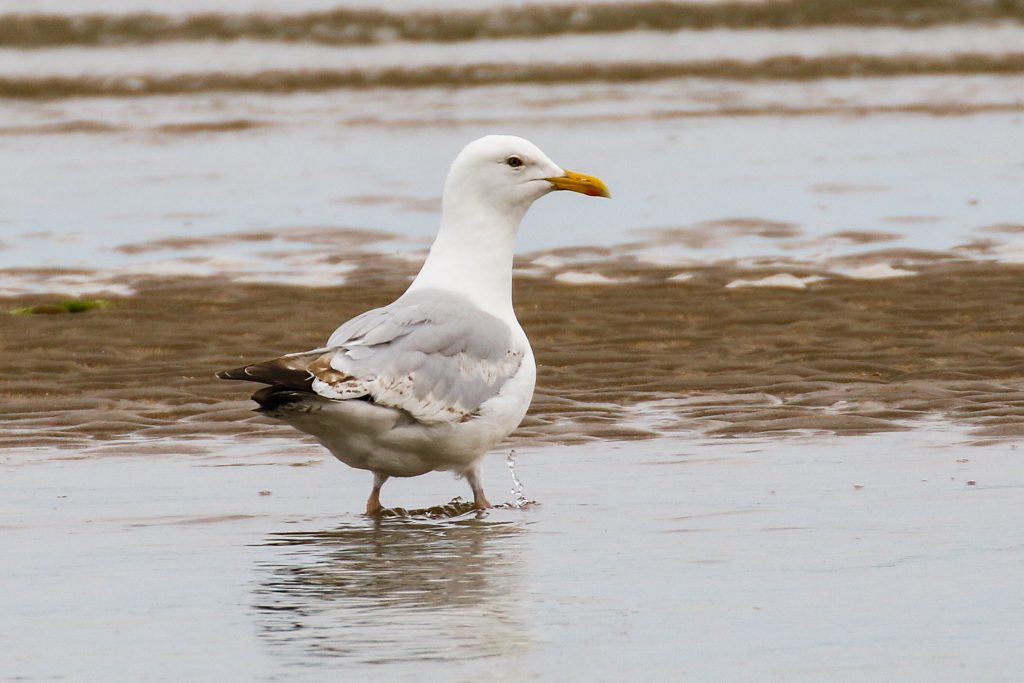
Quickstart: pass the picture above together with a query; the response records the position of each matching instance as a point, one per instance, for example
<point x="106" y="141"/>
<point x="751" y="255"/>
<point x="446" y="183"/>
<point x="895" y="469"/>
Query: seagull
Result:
<point x="440" y="376"/>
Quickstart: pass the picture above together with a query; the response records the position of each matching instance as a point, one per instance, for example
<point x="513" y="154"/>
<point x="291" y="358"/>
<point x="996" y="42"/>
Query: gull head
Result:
<point x="509" y="174"/>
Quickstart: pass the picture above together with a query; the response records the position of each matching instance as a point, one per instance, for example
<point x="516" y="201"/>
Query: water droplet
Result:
<point x="518" y="499"/>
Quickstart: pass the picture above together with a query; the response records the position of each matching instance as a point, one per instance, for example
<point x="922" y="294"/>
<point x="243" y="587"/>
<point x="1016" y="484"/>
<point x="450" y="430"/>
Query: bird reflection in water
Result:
<point x="394" y="589"/>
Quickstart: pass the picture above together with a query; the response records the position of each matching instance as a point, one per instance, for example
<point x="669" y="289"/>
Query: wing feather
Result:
<point x="431" y="354"/>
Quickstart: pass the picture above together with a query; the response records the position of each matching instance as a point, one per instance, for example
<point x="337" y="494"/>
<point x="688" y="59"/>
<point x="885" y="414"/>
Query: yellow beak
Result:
<point x="578" y="182"/>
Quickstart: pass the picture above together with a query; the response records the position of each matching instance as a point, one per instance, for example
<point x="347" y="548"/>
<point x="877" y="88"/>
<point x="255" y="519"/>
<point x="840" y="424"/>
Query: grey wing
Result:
<point x="433" y="355"/>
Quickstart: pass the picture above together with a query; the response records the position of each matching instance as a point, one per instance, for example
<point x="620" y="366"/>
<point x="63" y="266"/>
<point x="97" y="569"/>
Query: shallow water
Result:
<point x="89" y="200"/>
<point x="896" y="120"/>
<point x="853" y="559"/>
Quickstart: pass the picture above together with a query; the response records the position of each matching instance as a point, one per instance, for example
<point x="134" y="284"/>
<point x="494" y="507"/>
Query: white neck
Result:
<point x="472" y="254"/>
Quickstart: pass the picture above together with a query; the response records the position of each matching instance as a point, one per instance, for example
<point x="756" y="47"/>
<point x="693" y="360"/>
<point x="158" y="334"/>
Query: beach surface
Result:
<point x="802" y="558"/>
<point x="776" y="433"/>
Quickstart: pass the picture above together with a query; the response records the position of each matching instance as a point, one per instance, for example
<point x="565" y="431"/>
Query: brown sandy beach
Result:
<point x="624" y="360"/>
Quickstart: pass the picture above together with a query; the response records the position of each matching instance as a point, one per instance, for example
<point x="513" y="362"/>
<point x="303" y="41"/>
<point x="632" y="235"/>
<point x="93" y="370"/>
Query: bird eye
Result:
<point x="514" y="162"/>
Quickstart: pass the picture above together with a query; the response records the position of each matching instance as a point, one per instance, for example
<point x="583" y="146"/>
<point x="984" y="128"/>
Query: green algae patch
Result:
<point x="60" y="307"/>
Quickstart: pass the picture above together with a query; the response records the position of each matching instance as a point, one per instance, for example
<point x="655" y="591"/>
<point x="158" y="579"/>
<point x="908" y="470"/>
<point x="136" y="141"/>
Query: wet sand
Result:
<point x="644" y="357"/>
<point x="803" y="559"/>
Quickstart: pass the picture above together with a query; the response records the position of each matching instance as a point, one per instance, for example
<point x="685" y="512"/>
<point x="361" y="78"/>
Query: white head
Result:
<point x="491" y="184"/>
<point x="507" y="173"/>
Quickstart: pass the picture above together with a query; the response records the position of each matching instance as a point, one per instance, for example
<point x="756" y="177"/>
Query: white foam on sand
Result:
<point x="121" y="281"/>
<point x="528" y="272"/>
<point x="1011" y="252"/>
<point x="878" y="271"/>
<point x="781" y="280"/>
<point x="548" y="261"/>
<point x="75" y="285"/>
<point x="573" y="277"/>
<point x="315" y="278"/>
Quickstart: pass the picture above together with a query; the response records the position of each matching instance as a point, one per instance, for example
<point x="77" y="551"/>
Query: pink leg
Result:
<point x="475" y="480"/>
<point x="373" y="506"/>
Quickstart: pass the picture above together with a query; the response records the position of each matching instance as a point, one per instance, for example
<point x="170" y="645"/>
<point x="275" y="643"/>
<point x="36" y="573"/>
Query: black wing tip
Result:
<point x="279" y="371"/>
<point x="273" y="397"/>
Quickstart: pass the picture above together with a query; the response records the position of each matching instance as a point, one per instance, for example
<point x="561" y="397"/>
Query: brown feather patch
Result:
<point x="322" y="370"/>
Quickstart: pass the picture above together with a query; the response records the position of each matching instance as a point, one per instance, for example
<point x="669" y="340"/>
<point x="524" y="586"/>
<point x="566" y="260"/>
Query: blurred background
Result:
<point x="127" y="126"/>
